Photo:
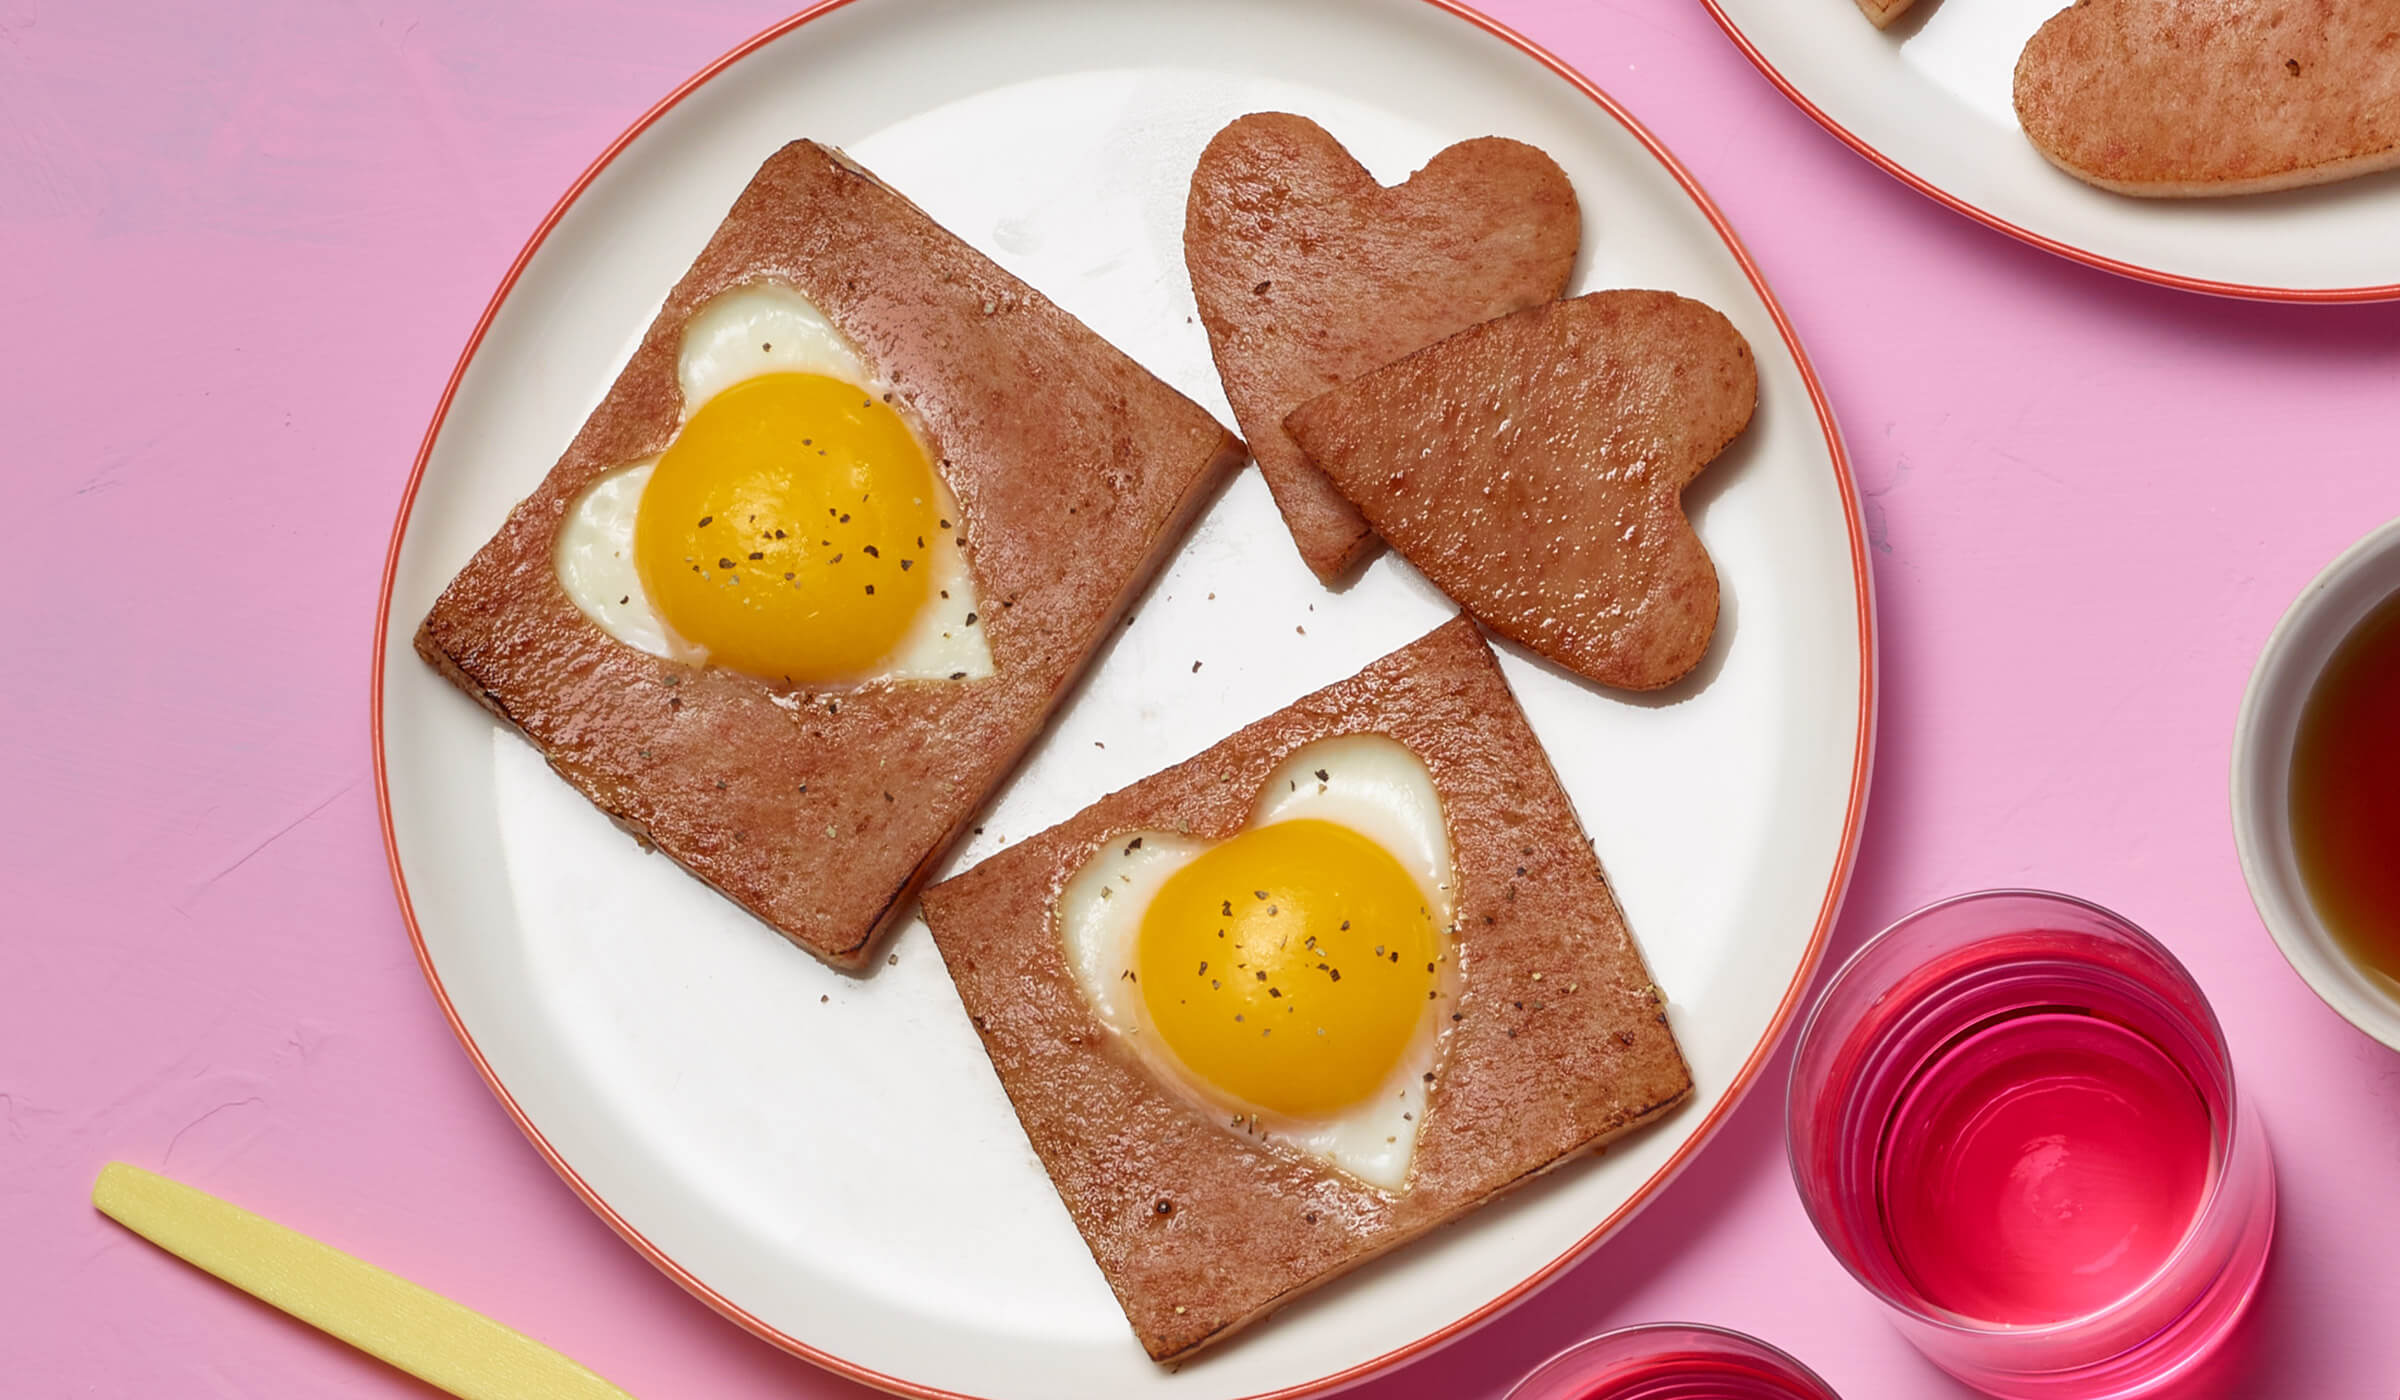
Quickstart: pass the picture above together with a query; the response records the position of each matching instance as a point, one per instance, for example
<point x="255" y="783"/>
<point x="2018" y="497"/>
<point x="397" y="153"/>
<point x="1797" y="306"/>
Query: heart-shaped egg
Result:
<point x="796" y="529"/>
<point x="1297" y="976"/>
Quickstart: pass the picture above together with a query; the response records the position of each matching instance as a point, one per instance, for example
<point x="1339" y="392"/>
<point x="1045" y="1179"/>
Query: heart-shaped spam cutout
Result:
<point x="1533" y="468"/>
<point x="1308" y="272"/>
<point x="1883" y="12"/>
<point x="2214" y="97"/>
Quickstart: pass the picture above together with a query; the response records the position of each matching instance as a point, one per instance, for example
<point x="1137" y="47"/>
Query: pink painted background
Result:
<point x="240" y="247"/>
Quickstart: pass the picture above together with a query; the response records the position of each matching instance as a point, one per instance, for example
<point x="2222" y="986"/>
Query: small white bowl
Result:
<point x="2324" y="614"/>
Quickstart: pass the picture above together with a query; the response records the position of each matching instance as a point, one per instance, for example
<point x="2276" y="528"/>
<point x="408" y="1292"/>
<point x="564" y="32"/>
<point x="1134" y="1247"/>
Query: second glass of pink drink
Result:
<point x="2013" y="1118"/>
<point x="1672" y="1361"/>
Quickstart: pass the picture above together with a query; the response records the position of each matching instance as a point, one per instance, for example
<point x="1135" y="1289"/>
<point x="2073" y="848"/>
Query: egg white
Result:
<point x="761" y="328"/>
<point x="1375" y="786"/>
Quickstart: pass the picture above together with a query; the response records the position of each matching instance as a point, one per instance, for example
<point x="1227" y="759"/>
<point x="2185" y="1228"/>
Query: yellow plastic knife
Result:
<point x="423" y="1333"/>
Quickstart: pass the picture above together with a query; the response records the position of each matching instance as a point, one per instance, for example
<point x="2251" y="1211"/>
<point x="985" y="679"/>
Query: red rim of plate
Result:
<point x="2069" y="251"/>
<point x="1827" y="909"/>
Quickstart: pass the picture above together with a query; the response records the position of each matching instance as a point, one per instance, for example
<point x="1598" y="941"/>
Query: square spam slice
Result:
<point x="822" y="810"/>
<point x="1559" y="1041"/>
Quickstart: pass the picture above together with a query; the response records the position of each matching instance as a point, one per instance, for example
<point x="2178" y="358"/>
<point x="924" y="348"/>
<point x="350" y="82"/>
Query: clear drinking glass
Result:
<point x="1671" y="1361"/>
<point x="2013" y="1118"/>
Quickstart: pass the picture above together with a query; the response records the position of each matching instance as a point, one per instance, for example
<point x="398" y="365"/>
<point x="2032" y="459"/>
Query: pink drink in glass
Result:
<point x="1672" y="1361"/>
<point x="2013" y="1118"/>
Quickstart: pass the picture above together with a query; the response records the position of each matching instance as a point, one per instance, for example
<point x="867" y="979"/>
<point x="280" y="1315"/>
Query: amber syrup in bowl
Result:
<point x="2345" y="795"/>
<point x="2316" y="784"/>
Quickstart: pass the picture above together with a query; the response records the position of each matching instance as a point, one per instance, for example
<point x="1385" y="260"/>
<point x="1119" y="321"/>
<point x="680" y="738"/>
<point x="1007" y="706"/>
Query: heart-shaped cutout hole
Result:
<point x="1296" y="976"/>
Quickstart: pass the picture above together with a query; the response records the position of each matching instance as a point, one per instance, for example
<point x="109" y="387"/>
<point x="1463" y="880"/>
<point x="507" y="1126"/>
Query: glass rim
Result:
<point x="1960" y="1323"/>
<point x="1619" y="1334"/>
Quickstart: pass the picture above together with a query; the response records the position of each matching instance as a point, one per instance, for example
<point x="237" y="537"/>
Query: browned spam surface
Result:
<point x="1074" y="470"/>
<point x="1533" y="1070"/>
<point x="1308" y="272"/>
<point x="1533" y="468"/>
<point x="1883" y="12"/>
<point x="2203" y="97"/>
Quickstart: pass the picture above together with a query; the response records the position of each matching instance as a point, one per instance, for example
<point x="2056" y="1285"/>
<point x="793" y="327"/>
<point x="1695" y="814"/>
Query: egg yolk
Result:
<point x="1289" y="966"/>
<point x="786" y="529"/>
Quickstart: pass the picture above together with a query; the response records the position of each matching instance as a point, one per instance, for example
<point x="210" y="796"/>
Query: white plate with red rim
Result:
<point x="829" y="1160"/>
<point x="1931" y="101"/>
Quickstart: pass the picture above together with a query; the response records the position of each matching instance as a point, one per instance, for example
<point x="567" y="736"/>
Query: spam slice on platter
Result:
<point x="2214" y="97"/>
<point x="835" y="543"/>
<point x="1533" y="468"/>
<point x="1308" y="272"/>
<point x="1883" y="12"/>
<point x="1333" y="982"/>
